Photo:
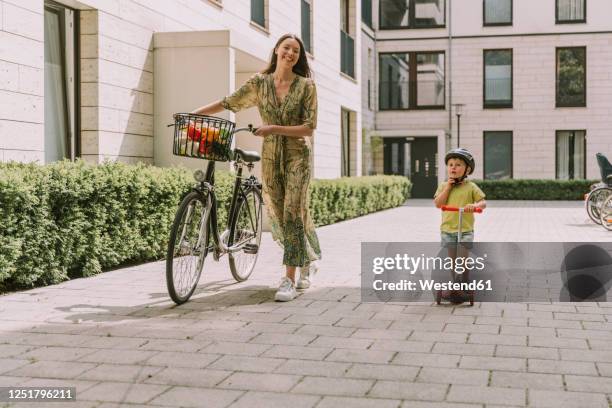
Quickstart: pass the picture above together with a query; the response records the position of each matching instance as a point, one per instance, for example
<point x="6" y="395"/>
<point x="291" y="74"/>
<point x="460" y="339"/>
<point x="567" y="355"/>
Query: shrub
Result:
<point x="528" y="189"/>
<point x="66" y="220"/>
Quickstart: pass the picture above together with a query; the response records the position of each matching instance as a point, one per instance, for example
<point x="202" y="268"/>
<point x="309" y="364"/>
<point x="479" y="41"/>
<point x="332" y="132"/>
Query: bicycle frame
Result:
<point x="205" y="188"/>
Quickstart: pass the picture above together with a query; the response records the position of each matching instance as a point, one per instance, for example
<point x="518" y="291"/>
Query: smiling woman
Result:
<point x="286" y="98"/>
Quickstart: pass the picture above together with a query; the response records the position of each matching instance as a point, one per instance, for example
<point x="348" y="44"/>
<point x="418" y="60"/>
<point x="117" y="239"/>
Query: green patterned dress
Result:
<point x="285" y="161"/>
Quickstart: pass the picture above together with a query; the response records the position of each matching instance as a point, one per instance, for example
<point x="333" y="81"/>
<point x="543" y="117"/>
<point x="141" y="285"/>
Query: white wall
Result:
<point x="21" y="80"/>
<point x="117" y="87"/>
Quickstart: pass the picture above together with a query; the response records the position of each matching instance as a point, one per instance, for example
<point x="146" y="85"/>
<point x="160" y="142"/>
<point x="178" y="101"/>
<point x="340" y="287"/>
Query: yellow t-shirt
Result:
<point x="459" y="196"/>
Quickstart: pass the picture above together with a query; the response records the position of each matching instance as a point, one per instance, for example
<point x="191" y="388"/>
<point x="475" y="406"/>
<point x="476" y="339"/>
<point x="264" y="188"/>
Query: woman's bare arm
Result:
<point x="294" y="131"/>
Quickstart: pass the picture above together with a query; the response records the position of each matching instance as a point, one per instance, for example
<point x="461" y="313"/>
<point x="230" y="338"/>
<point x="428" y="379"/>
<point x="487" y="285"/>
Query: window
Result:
<point x="396" y="14"/>
<point x="497" y="155"/>
<point x="366" y="12"/>
<point x="571" y="146"/>
<point x="61" y="71"/>
<point x="497" y="12"/>
<point x="570" y="11"/>
<point x="369" y="71"/>
<point x="497" y="81"/>
<point x="347" y="43"/>
<point x="306" y="25"/>
<point x="345" y="158"/>
<point x="258" y="12"/>
<point x="412" y="80"/>
<point x="571" y="77"/>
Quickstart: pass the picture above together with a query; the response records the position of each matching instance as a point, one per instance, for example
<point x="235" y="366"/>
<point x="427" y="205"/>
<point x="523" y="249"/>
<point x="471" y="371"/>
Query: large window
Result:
<point x="366" y="12"/>
<point x="497" y="155"/>
<point x="497" y="81"/>
<point x="497" y="12"/>
<point x="396" y="14"/>
<point x="347" y="42"/>
<point x="306" y="25"/>
<point x="61" y="39"/>
<point x="570" y="11"/>
<point x="258" y="12"/>
<point x="571" y="76"/>
<point x="412" y="80"/>
<point x="571" y="146"/>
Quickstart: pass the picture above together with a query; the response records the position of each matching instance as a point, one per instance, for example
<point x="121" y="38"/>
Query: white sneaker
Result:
<point x="286" y="291"/>
<point x="306" y="273"/>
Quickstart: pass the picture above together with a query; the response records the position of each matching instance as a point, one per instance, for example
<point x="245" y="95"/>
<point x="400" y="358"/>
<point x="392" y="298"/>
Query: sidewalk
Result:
<point x="120" y="341"/>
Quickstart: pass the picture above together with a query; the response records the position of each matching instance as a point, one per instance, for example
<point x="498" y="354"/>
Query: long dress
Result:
<point x="286" y="166"/>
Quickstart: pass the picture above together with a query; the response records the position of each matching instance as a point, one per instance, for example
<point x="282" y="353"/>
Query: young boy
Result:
<point x="457" y="191"/>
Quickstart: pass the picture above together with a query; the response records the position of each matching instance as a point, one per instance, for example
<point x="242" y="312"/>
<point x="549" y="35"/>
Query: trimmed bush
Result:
<point x="67" y="220"/>
<point x="526" y="189"/>
<point x="348" y="197"/>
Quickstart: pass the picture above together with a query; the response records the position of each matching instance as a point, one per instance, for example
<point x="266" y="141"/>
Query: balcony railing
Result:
<point x="411" y="94"/>
<point x="498" y="92"/>
<point x="347" y="54"/>
<point x="571" y="92"/>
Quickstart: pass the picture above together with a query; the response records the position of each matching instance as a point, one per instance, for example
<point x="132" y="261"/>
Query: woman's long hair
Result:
<point x="301" y="66"/>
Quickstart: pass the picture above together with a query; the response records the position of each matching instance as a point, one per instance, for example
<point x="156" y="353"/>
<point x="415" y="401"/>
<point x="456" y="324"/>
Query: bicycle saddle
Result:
<point x="246" y="155"/>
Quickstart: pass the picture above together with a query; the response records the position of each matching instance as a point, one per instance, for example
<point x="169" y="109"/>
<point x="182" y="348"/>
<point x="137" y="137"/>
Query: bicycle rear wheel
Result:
<point x="188" y="246"/>
<point x="245" y="232"/>
<point x="595" y="201"/>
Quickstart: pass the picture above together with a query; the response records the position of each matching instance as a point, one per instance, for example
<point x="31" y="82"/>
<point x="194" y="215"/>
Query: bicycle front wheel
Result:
<point x="245" y="234"/>
<point x="188" y="246"/>
<point x="605" y="213"/>
<point x="595" y="201"/>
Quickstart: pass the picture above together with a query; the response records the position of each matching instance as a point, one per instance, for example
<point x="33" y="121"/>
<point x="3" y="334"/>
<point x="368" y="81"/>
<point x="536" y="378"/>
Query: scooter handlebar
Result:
<point x="449" y="208"/>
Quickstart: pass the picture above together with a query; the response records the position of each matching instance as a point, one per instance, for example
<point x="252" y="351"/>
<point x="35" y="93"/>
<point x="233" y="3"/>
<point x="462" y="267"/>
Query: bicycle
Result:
<point x="599" y="192"/>
<point x="194" y="232"/>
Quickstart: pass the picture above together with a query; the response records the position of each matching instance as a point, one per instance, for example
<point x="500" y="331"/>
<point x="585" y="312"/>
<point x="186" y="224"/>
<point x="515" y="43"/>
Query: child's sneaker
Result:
<point x="286" y="291"/>
<point x="306" y="274"/>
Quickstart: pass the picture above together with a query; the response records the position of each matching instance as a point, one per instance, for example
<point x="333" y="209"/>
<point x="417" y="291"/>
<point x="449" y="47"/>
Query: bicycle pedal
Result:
<point x="251" y="248"/>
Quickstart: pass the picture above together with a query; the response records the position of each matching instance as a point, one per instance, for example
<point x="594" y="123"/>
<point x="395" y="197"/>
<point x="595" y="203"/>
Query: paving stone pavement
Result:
<point x="120" y="341"/>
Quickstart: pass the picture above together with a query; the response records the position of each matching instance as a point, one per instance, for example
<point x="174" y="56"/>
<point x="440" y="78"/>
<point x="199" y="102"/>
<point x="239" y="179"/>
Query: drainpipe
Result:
<point x="450" y="72"/>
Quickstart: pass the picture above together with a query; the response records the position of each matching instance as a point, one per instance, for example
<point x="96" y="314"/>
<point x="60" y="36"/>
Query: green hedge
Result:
<point x="349" y="197"/>
<point x="535" y="189"/>
<point x="67" y="219"/>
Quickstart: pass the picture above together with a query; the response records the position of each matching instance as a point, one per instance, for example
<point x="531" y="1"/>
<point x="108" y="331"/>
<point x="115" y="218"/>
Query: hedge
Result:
<point x="67" y="220"/>
<point x="526" y="189"/>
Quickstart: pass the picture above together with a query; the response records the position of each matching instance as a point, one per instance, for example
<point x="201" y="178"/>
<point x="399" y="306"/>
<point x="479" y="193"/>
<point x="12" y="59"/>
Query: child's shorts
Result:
<point x="448" y="238"/>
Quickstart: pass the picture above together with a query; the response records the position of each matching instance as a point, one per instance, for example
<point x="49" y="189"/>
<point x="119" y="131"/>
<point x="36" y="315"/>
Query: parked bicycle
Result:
<point x="600" y="192"/>
<point x="194" y="231"/>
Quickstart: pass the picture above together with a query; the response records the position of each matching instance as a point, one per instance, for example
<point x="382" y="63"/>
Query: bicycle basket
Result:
<point x="202" y="137"/>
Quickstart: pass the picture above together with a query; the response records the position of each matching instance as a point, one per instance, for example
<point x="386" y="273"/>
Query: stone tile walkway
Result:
<point x="120" y="341"/>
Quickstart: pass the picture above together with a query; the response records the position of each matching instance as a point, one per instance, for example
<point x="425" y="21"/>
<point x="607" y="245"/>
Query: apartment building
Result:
<point x="100" y="79"/>
<point x="525" y="85"/>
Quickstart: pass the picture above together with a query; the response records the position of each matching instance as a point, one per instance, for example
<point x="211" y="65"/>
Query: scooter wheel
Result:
<point x="438" y="297"/>
<point x="471" y="299"/>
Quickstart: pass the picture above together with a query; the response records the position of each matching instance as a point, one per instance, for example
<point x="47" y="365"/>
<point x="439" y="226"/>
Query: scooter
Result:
<point x="458" y="277"/>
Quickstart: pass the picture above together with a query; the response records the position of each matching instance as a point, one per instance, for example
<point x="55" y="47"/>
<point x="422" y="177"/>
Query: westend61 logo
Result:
<point x="493" y="271"/>
<point x="404" y="263"/>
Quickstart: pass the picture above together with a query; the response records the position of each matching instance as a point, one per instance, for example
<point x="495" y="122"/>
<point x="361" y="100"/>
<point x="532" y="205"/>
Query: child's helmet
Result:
<point x="463" y="154"/>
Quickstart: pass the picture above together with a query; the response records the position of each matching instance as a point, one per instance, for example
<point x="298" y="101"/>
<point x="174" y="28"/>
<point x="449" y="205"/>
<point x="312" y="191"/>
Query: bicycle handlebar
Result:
<point x="449" y="208"/>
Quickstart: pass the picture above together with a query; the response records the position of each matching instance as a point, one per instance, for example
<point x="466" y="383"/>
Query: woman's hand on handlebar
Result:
<point x="264" y="130"/>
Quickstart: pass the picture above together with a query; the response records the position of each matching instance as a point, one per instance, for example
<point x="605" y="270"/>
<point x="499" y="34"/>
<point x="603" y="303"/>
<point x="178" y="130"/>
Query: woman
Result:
<point x="287" y="101"/>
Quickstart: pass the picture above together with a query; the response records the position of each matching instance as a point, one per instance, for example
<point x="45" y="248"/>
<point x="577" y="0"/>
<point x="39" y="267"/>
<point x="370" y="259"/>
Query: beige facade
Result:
<point x="122" y="105"/>
<point x="533" y="118"/>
